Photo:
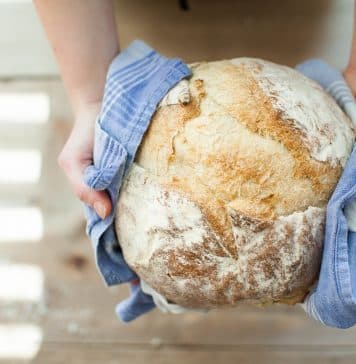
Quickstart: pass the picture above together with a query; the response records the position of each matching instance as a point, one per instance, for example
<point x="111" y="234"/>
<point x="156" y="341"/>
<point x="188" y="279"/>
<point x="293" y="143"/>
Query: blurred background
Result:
<point x="54" y="307"/>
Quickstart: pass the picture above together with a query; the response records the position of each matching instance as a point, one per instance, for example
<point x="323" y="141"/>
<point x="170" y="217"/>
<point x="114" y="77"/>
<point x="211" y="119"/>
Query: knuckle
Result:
<point x="81" y="193"/>
<point x="84" y="195"/>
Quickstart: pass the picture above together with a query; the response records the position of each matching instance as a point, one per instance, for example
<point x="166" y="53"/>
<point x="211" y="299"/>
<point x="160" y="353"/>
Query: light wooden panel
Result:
<point x="284" y="31"/>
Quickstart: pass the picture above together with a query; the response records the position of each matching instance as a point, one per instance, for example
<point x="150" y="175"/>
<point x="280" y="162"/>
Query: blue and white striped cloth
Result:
<point x="333" y="82"/>
<point x="333" y="301"/>
<point x="137" y="80"/>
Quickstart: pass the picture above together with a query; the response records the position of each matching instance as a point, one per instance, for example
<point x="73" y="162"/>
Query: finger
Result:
<point x="98" y="200"/>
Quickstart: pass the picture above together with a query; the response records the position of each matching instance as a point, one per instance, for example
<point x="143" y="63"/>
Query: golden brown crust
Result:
<point x="276" y="261"/>
<point x="260" y="116"/>
<point x="234" y="160"/>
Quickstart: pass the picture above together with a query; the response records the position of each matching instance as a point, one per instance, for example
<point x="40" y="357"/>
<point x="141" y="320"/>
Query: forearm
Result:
<point x="84" y="39"/>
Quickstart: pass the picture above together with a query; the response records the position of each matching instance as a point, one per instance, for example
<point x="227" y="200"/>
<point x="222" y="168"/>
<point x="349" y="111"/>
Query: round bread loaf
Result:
<point x="226" y="198"/>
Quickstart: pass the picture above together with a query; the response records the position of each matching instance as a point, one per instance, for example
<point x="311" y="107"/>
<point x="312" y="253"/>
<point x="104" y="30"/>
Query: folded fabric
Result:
<point x="333" y="82"/>
<point x="333" y="300"/>
<point x="137" y="80"/>
<point x="135" y="305"/>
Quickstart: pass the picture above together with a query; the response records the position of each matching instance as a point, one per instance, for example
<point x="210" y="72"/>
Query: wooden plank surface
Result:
<point x="75" y="313"/>
<point x="136" y="355"/>
<point x="76" y="316"/>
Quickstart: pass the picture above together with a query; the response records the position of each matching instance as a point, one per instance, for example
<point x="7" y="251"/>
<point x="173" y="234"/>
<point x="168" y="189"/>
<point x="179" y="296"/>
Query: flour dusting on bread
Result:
<point x="226" y="199"/>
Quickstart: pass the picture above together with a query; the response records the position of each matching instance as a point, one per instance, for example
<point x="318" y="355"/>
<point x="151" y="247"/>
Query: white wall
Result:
<point x="24" y="50"/>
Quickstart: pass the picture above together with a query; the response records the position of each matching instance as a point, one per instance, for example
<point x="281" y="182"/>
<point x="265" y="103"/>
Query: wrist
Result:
<point x="83" y="99"/>
<point x="89" y="107"/>
<point x="350" y="70"/>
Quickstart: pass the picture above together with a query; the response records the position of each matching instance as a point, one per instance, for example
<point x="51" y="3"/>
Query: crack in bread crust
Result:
<point x="226" y="200"/>
<point x="276" y="261"/>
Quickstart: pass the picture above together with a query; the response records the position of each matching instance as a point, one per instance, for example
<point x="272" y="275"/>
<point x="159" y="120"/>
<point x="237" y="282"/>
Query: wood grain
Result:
<point x="283" y="31"/>
<point x="76" y="312"/>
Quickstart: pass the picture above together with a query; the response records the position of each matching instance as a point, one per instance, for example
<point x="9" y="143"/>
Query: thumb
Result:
<point x="98" y="200"/>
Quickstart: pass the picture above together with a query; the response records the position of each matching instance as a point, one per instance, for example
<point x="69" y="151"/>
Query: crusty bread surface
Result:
<point x="226" y="198"/>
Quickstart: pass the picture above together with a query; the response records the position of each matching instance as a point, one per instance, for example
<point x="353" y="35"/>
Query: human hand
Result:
<point x="77" y="154"/>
